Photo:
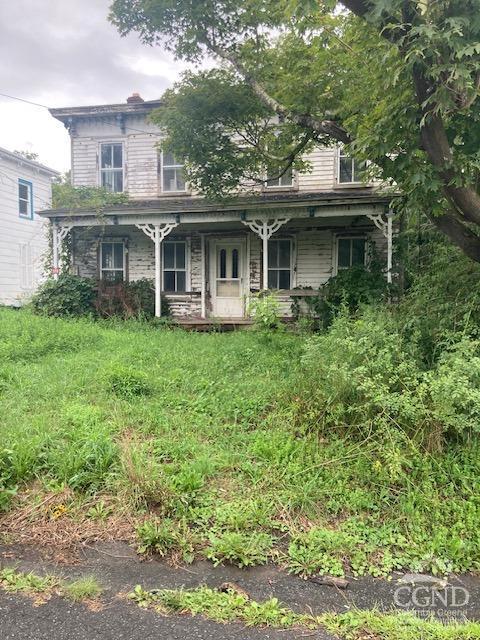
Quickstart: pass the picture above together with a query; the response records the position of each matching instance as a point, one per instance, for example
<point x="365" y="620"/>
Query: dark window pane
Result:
<point x="23" y="191"/>
<point x="107" y="255"/>
<point x="107" y="180"/>
<point x="118" y="255"/>
<point x="106" y="156"/>
<point x="284" y="253"/>
<point x="180" y="180"/>
<point x="346" y="174"/>
<point x="169" y="255"/>
<point x="223" y="263"/>
<point x="169" y="180"/>
<point x="344" y="252"/>
<point x="235" y="263"/>
<point x="284" y="279"/>
<point x="118" y="181"/>
<point x="112" y="277"/>
<point x="169" y="281"/>
<point x="358" y="251"/>
<point x="287" y="178"/>
<point x="273" y="253"/>
<point x="168" y="159"/>
<point x="272" y="279"/>
<point x="117" y="156"/>
<point x="23" y="208"/>
<point x="181" y="281"/>
<point x="180" y="253"/>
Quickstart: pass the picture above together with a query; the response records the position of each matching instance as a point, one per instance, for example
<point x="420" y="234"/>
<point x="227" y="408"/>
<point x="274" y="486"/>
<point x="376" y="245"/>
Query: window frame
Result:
<point x="342" y="154"/>
<point x="163" y="166"/>
<point x="105" y="143"/>
<point x="291" y="266"/>
<point x="124" y="264"/>
<point x="359" y="236"/>
<point x="186" y="269"/>
<point x="30" y="213"/>
<point x="281" y="187"/>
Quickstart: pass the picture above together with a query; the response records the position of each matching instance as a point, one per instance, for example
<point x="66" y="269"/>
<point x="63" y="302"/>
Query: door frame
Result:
<point x="214" y="243"/>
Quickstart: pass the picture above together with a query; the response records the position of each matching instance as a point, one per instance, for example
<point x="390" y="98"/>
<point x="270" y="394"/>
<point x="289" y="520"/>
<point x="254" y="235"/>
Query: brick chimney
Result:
<point x="135" y="98"/>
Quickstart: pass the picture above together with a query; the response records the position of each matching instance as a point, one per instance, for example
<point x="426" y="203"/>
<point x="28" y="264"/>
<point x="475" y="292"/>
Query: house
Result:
<point x="25" y="187"/>
<point x="206" y="258"/>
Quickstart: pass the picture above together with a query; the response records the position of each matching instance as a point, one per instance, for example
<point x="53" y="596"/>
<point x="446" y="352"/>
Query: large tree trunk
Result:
<point x="459" y="234"/>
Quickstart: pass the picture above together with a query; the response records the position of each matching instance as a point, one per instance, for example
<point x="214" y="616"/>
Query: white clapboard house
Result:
<point x="25" y="187"/>
<point x="208" y="258"/>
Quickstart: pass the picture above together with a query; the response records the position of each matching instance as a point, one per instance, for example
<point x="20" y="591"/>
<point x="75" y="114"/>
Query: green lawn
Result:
<point x="200" y="436"/>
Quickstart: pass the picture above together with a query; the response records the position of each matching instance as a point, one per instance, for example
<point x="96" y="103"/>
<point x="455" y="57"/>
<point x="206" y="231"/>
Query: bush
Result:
<point x="241" y="549"/>
<point x="265" y="309"/>
<point x="68" y="296"/>
<point x="127" y="382"/>
<point x="129" y="300"/>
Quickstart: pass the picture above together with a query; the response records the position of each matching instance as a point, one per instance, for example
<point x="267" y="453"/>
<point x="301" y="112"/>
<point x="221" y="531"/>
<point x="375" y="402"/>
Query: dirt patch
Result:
<point x="61" y="525"/>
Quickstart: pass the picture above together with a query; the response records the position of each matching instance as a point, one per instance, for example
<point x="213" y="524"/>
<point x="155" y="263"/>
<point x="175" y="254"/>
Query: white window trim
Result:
<point x="30" y="212"/>
<point x="170" y="166"/>
<point x="99" y="163"/>
<point x="124" y="268"/>
<point x="346" y="185"/>
<point x="347" y="236"/>
<point x="187" y="270"/>
<point x="282" y="187"/>
<point x="293" y="259"/>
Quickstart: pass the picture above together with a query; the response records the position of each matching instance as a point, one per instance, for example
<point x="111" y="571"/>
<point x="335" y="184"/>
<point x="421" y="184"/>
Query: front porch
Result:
<point x="207" y="264"/>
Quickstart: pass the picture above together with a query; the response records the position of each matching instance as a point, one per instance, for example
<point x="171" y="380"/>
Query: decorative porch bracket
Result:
<point x="265" y="230"/>
<point x="386" y="227"/>
<point x="157" y="233"/>
<point x="59" y="233"/>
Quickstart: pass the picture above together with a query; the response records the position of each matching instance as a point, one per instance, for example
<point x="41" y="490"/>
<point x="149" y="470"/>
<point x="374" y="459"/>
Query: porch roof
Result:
<point x="198" y="205"/>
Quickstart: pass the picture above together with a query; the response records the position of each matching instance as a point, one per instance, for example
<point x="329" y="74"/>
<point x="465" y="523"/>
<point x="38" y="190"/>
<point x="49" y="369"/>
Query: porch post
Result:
<point x="265" y="230"/>
<point x="157" y="233"/>
<point x="158" y="273"/>
<point x="58" y="235"/>
<point x="203" y="271"/>
<point x="389" y="245"/>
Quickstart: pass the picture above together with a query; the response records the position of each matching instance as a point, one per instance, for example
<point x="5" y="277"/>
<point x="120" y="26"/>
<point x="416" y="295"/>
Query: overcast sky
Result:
<point x="65" y="53"/>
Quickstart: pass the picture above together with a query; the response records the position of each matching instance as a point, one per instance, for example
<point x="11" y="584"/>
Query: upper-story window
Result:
<point x="25" y="199"/>
<point x="111" y="166"/>
<point x="349" y="169"/>
<point x="285" y="180"/>
<point x="172" y="173"/>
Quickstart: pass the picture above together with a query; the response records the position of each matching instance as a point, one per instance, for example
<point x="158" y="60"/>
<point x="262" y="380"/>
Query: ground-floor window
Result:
<point x="351" y="252"/>
<point x="279" y="264"/>
<point x="112" y="261"/>
<point x="174" y="265"/>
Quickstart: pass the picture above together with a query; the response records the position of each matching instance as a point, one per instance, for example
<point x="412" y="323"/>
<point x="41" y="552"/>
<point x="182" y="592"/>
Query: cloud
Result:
<point x="66" y="53"/>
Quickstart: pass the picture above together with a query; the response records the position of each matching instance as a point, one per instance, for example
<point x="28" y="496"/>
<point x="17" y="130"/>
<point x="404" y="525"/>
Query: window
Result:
<point x="279" y="264"/>
<point x="172" y="173"/>
<point x="174" y="266"/>
<point x="25" y="199"/>
<point x="351" y="252"/>
<point x="285" y="180"/>
<point x="111" y="166"/>
<point x="349" y="169"/>
<point x="112" y="262"/>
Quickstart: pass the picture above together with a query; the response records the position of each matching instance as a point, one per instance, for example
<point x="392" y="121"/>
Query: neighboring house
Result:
<point x="25" y="187"/>
<point x="207" y="258"/>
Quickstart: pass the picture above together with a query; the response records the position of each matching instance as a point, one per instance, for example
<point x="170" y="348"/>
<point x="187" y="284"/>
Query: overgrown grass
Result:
<point x="84" y="588"/>
<point x="232" y="606"/>
<point x="213" y="439"/>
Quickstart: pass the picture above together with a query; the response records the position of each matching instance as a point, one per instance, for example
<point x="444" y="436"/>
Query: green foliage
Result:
<point x="241" y="549"/>
<point x="166" y="537"/>
<point x="127" y="300"/>
<point x="15" y="581"/>
<point x="265" y="309"/>
<point x="127" y="382"/>
<point x="85" y="588"/>
<point x="66" y="196"/>
<point x="68" y="296"/>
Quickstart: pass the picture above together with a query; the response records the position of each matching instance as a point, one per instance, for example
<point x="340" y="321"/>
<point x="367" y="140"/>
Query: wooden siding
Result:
<point x="23" y="242"/>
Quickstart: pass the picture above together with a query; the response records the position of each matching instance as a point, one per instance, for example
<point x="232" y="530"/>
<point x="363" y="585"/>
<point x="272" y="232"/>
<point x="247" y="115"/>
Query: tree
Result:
<point x="395" y="81"/>
<point x="28" y="155"/>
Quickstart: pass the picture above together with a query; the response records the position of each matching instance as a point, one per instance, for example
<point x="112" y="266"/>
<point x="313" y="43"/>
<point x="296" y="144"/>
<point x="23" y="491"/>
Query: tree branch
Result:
<point x="459" y="234"/>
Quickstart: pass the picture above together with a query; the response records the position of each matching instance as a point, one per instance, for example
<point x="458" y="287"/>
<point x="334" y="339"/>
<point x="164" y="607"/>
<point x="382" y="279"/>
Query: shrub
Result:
<point x="127" y="382"/>
<point x="265" y="309"/>
<point x="68" y="296"/>
<point x="129" y="300"/>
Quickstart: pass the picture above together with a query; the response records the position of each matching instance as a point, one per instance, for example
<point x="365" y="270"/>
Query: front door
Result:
<point x="227" y="279"/>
